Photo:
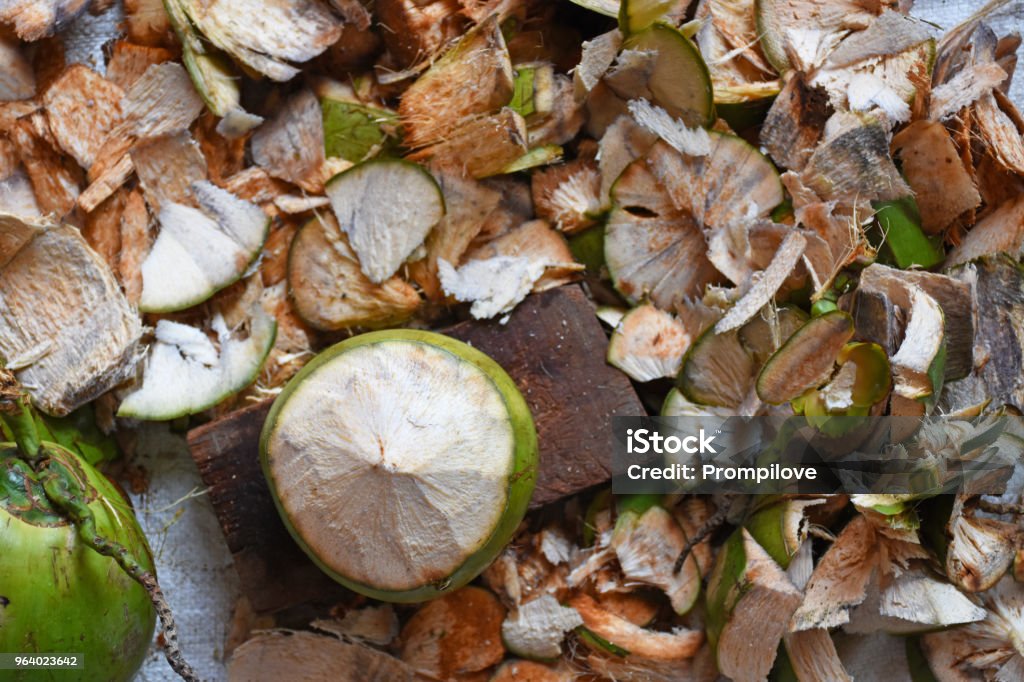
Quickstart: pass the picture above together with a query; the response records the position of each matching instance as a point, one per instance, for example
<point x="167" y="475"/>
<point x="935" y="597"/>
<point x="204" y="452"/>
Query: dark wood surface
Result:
<point x="553" y="347"/>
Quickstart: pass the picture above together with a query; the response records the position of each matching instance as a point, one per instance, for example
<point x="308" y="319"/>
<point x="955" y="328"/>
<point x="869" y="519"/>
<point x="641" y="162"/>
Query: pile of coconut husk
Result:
<point x="779" y="207"/>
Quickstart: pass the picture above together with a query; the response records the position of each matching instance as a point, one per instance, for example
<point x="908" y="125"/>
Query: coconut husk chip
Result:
<point x="88" y="340"/>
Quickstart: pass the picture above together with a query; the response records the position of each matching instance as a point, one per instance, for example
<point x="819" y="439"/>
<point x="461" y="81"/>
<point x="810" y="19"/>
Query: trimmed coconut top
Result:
<point x="392" y="462"/>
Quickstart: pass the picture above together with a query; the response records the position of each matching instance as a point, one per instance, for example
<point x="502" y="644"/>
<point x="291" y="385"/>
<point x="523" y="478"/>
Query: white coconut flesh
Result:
<point x="199" y="251"/>
<point x="386" y="207"/>
<point x="392" y="463"/>
<point x="186" y="372"/>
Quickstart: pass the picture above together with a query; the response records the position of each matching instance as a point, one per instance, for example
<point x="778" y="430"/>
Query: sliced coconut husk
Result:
<point x="750" y="600"/>
<point x="596" y="58"/>
<point x="494" y="285"/>
<point x="765" y="284"/>
<point x="997" y="290"/>
<point x="800" y="34"/>
<point x="536" y="628"/>
<point x="35" y="19"/>
<point x="839" y="582"/>
<point x="481" y="147"/>
<point x="553" y="115"/>
<point x="535" y="564"/>
<point x="161" y="102"/>
<point x="852" y="163"/>
<point x="376" y="625"/>
<point x="440" y="101"/>
<point x="56" y="180"/>
<point x="290" y="145"/>
<point x="102" y="228"/>
<point x="653" y="248"/>
<point x="199" y="251"/>
<point x="17" y="79"/>
<point x="1001" y="231"/>
<point x="386" y="207"/>
<point x="458" y="633"/>
<point x="882" y="67"/>
<point x="135" y="243"/>
<point x="329" y="289"/>
<point x="884" y="286"/>
<point x="648" y="344"/>
<point x="146" y="23"/>
<point x="537" y="241"/>
<point x="303" y="655"/>
<point x="639" y="606"/>
<point x="646" y="546"/>
<point x="911" y="602"/>
<point x="296" y="204"/>
<point x="782" y="528"/>
<point x="692" y="514"/>
<point x="266" y="37"/>
<point x="1000" y="126"/>
<point x="963" y="89"/>
<point x="794" y="123"/>
<point x="980" y="549"/>
<point x="813" y="656"/>
<point x="728" y="39"/>
<point x="989" y="649"/>
<point x="634" y="640"/>
<point x="807" y="359"/>
<point x="82" y="108"/>
<point x="693" y="141"/>
<point x="128" y="61"/>
<point x="254" y="184"/>
<point x="88" y="339"/>
<point x="931" y="165"/>
<point x="108" y="175"/>
<point x="186" y="372"/>
<point x="414" y="31"/>
<point x="622" y="143"/>
<point x="917" y="364"/>
<point x="873" y="578"/>
<point x="717" y="371"/>
<point x="468" y="203"/>
<point x="167" y="167"/>
<point x="664" y="205"/>
<point x="568" y="195"/>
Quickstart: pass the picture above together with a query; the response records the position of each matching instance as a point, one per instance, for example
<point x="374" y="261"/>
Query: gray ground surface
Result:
<point x="193" y="562"/>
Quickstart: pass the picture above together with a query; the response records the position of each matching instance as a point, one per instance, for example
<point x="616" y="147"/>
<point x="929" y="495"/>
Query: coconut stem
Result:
<point x="57" y="485"/>
<point x="713" y="523"/>
<point x="16" y="415"/>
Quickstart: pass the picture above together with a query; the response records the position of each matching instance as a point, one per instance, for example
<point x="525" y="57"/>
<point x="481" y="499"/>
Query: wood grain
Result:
<point x="553" y="347"/>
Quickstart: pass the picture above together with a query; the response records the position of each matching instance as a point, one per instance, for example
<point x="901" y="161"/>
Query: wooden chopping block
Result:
<point x="553" y="347"/>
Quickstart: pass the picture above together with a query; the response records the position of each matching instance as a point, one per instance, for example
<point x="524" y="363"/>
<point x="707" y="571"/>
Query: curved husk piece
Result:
<point x="328" y="287"/>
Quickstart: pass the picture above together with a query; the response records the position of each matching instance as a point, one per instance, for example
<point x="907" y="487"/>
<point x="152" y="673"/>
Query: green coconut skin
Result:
<point x="59" y="596"/>
<point x="520" y="482"/>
